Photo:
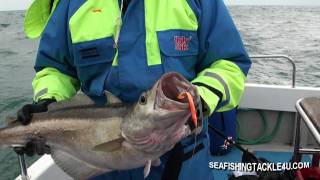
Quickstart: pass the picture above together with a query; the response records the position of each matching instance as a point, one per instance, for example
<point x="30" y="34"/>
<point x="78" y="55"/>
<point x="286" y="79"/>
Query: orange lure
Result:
<point x="191" y="106"/>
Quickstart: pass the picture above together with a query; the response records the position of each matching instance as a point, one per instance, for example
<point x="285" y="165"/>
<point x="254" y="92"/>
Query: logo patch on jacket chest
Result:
<point x="182" y="43"/>
<point x="96" y="10"/>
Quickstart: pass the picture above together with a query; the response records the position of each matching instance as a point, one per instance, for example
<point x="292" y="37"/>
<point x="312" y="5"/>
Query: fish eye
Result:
<point x="143" y="99"/>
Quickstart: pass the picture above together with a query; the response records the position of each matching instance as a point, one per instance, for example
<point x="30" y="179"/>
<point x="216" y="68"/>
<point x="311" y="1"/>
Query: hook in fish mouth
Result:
<point x="169" y="87"/>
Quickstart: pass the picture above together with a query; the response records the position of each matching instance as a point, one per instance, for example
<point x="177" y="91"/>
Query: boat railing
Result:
<point x="280" y="56"/>
<point x="23" y="167"/>
<point x="307" y="111"/>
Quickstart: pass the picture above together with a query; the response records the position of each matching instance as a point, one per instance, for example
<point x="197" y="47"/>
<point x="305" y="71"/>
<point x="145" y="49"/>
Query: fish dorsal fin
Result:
<point x="79" y="99"/>
<point x="74" y="167"/>
<point x="112" y="99"/>
<point x="109" y="146"/>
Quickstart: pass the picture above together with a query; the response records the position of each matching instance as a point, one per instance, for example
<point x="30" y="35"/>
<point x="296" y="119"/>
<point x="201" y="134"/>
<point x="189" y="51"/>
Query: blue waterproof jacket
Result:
<point x="90" y="44"/>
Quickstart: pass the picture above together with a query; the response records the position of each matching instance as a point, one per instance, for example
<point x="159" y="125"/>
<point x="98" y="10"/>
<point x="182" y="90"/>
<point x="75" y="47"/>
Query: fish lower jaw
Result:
<point x="156" y="143"/>
<point x="134" y="138"/>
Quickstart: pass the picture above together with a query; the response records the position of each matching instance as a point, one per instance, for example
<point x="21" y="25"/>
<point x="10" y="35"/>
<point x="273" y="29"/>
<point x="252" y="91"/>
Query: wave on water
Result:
<point x="4" y="25"/>
<point x="6" y="53"/>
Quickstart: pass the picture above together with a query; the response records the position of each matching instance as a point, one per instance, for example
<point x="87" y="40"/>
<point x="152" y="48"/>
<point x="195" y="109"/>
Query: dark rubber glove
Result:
<point x="24" y="115"/>
<point x="33" y="146"/>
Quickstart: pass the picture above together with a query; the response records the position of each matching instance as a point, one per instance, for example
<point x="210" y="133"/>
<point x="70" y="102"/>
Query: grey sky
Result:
<point x="23" y="4"/>
<point x="273" y="2"/>
<point x="14" y="4"/>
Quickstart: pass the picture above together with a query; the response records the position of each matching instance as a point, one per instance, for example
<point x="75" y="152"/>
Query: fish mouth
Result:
<point x="170" y="86"/>
<point x="165" y="125"/>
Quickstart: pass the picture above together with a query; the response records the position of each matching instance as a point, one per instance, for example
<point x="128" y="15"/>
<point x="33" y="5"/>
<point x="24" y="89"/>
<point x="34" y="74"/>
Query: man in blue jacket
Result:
<point x="124" y="46"/>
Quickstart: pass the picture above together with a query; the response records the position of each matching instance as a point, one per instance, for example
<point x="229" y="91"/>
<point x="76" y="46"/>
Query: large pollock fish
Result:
<point x="86" y="140"/>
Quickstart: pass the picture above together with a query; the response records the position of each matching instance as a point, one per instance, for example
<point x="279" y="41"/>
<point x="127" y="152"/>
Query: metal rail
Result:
<point x="309" y="151"/>
<point x="301" y="115"/>
<point x="307" y="121"/>
<point x="23" y="167"/>
<point x="277" y="56"/>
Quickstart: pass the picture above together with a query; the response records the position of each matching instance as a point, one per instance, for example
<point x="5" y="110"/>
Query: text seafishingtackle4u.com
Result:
<point x="249" y="167"/>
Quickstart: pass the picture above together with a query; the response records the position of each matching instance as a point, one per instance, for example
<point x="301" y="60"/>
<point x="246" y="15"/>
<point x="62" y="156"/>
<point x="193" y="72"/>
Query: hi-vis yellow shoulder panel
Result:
<point x="95" y="19"/>
<point x="162" y="15"/>
<point x="37" y="16"/>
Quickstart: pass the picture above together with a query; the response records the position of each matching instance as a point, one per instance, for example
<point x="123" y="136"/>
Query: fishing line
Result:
<point x="118" y="22"/>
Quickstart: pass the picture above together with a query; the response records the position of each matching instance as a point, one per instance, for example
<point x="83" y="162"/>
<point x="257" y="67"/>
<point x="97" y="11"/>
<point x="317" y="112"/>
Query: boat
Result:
<point x="269" y="99"/>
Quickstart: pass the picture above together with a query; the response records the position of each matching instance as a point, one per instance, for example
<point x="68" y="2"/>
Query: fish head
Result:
<point x="160" y="116"/>
<point x="163" y="98"/>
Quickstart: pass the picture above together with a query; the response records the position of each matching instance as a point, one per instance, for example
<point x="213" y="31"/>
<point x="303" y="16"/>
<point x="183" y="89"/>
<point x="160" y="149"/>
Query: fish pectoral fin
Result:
<point x="111" y="99"/>
<point x="74" y="167"/>
<point x="147" y="168"/>
<point x="109" y="146"/>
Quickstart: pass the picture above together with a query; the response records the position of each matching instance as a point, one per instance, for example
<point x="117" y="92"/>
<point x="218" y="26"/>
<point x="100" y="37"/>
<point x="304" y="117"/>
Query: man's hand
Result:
<point x="24" y="115"/>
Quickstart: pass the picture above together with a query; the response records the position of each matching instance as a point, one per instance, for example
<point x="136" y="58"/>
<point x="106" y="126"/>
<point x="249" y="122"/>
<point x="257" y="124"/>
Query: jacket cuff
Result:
<point x="210" y="100"/>
<point x="50" y="83"/>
